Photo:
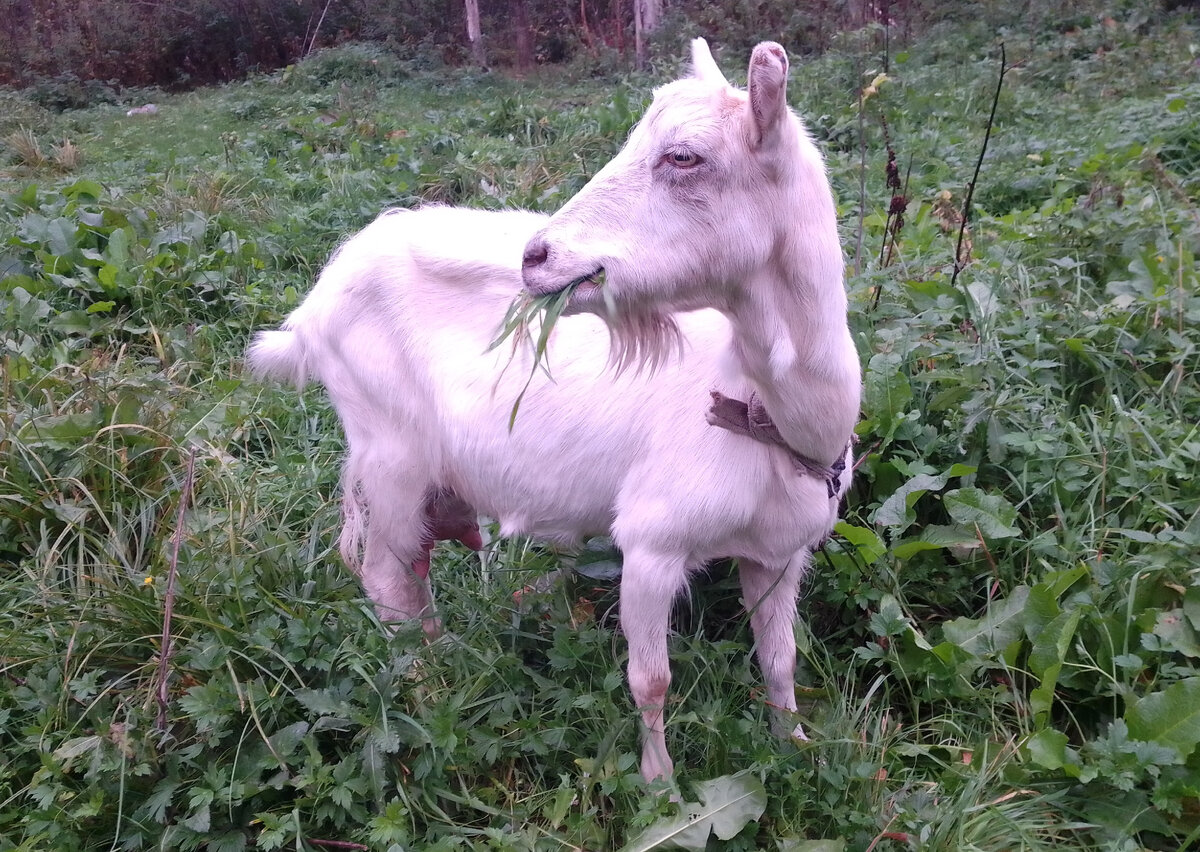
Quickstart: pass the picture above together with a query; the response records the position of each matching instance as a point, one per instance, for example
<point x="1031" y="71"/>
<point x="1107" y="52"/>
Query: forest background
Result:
<point x="195" y="42"/>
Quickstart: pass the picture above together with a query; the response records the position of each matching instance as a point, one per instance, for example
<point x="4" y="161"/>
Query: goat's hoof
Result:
<point x="658" y="768"/>
<point x="663" y="784"/>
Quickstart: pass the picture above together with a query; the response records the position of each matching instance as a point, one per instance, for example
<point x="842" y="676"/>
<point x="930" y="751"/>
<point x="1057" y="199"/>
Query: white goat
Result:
<point x="719" y="201"/>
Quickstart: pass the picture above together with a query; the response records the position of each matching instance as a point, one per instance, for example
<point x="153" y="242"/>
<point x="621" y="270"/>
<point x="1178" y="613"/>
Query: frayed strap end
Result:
<point x="728" y="414"/>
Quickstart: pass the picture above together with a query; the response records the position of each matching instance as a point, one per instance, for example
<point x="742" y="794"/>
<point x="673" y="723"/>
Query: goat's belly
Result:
<point x="555" y="478"/>
<point x="551" y="502"/>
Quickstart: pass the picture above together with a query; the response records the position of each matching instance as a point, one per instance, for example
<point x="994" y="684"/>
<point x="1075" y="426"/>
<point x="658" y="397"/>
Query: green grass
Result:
<point x="1000" y="646"/>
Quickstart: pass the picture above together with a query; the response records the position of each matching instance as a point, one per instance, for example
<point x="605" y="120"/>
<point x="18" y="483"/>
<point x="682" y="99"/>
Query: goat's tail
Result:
<point x="280" y="355"/>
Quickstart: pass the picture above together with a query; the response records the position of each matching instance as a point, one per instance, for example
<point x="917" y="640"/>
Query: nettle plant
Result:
<point x="1030" y="446"/>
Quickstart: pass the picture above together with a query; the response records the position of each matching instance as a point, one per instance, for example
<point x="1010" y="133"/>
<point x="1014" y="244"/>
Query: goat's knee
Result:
<point x="778" y="666"/>
<point x="648" y="685"/>
<point x="398" y="592"/>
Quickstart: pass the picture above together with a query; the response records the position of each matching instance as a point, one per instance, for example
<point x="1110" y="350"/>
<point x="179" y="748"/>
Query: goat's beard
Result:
<point x="642" y="338"/>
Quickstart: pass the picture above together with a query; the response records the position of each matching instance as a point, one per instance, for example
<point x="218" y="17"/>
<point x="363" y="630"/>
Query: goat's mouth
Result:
<point x="588" y="293"/>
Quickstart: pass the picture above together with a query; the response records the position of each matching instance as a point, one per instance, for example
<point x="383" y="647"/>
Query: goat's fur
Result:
<point x="717" y="220"/>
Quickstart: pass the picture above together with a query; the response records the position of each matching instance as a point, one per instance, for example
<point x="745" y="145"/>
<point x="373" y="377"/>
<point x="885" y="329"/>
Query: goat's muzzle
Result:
<point x="536" y="253"/>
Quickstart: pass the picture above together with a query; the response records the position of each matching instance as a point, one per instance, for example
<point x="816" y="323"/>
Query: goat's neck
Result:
<point x="792" y="342"/>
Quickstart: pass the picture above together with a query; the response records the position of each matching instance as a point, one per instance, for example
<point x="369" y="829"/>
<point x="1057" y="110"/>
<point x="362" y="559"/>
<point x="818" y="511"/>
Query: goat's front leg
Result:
<point x="770" y="597"/>
<point x="649" y="584"/>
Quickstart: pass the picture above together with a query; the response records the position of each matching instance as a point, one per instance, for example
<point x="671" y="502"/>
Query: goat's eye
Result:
<point x="683" y="159"/>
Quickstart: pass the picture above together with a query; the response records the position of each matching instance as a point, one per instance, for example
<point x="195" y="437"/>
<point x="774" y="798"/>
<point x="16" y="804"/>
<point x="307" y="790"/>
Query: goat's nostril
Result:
<point x="535" y="254"/>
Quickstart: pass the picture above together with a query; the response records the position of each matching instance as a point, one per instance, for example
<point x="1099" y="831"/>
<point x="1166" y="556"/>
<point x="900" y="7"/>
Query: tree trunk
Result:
<point x="474" y="35"/>
<point x="857" y="11"/>
<point x="519" y="12"/>
<point x="618" y="27"/>
<point x="583" y="23"/>
<point x="646" y="17"/>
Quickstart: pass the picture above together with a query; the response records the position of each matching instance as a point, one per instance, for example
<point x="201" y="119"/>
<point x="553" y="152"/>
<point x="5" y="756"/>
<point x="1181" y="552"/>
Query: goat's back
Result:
<point x="402" y="279"/>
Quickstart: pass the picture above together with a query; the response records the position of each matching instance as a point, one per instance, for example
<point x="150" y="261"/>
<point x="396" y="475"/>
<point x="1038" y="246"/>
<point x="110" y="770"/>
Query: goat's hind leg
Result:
<point x="386" y="503"/>
<point x="770" y="596"/>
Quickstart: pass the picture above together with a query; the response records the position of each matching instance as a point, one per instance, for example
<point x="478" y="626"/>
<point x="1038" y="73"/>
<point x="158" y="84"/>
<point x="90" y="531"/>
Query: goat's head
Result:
<point x="689" y="211"/>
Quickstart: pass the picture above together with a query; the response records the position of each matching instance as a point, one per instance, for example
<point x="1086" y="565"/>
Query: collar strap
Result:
<point x="750" y="418"/>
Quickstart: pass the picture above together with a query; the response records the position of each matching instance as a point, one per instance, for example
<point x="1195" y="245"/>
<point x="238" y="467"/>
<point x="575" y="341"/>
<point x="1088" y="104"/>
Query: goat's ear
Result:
<point x="768" y="91"/>
<point x="704" y="67"/>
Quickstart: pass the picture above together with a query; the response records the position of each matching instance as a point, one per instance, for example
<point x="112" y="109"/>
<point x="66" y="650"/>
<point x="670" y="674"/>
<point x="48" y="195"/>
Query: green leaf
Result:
<point x="1002" y="626"/>
<point x="936" y="537"/>
<point x="1041" y="608"/>
<point x="727" y="805"/>
<point x="107" y="276"/>
<point x="1191" y="606"/>
<point x="1054" y="641"/>
<point x="599" y="560"/>
<point x="1048" y="749"/>
<point x="1170" y="717"/>
<point x="199" y="820"/>
<point x="159" y="800"/>
<point x="795" y="844"/>
<point x="1057" y="582"/>
<point x="1175" y="631"/>
<point x="991" y="513"/>
<point x="73" y="748"/>
<point x="886" y="393"/>
<point x="285" y="740"/>
<point x="868" y="544"/>
<point x="890" y="619"/>
<point x="1041" y="698"/>
<point x="33" y="228"/>
<point x="88" y="189"/>
<point x="985" y="299"/>
<point x="117" y="250"/>
<point x="1140" y="536"/>
<point x="68" y="511"/>
<point x="322" y="702"/>
<point x="1048" y="655"/>
<point x="896" y="511"/>
<point x="60" y="236"/>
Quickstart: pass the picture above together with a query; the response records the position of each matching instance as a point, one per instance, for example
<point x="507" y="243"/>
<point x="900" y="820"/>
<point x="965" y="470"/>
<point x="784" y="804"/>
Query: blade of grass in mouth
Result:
<point x="517" y="324"/>
<point x="521" y="312"/>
